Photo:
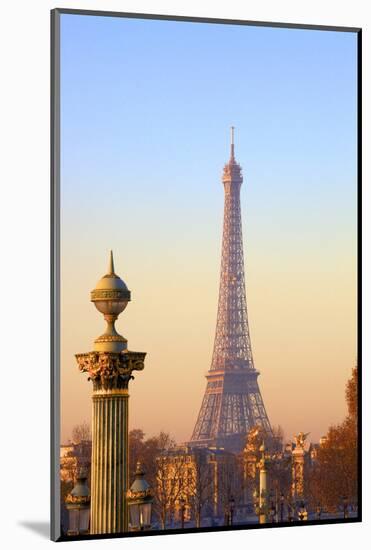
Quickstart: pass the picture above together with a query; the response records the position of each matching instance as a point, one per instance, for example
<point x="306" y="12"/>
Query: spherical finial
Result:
<point x="110" y="297"/>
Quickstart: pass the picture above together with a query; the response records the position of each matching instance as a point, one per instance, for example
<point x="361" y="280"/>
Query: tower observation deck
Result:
<point x="232" y="403"/>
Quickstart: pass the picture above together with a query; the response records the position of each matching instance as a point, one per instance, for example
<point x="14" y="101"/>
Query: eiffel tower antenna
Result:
<point x="232" y="403"/>
<point x="232" y="143"/>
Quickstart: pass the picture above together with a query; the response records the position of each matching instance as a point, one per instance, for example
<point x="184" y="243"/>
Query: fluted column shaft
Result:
<point x="109" y="462"/>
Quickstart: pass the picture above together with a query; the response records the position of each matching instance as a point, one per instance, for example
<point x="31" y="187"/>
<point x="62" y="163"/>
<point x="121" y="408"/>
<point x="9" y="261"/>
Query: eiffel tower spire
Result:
<point x="232" y="403"/>
<point x="232" y="159"/>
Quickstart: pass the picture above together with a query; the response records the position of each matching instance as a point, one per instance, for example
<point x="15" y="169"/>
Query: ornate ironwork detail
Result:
<point x="232" y="403"/>
<point x="110" y="338"/>
<point x="71" y="499"/>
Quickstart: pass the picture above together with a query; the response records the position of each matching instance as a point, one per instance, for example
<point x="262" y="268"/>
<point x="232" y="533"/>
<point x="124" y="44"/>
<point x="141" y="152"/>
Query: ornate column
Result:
<point x="249" y="473"/>
<point x="250" y="465"/>
<point x="298" y="460"/>
<point x="263" y="487"/>
<point x="110" y="368"/>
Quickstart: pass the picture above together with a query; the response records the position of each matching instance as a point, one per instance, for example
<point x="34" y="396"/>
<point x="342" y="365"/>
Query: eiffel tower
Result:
<point x="232" y="402"/>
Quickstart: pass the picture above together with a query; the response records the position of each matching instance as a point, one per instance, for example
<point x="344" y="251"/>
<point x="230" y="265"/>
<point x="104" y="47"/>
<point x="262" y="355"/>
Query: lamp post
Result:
<point x="272" y="511"/>
<point x="231" y="509"/>
<point x="78" y="506"/>
<point x="272" y="508"/>
<point x="282" y="500"/>
<point x="302" y="514"/>
<point x="182" y="510"/>
<point x="255" y="497"/>
<point x="139" y="499"/>
<point x="345" y="506"/>
<point x="290" y="515"/>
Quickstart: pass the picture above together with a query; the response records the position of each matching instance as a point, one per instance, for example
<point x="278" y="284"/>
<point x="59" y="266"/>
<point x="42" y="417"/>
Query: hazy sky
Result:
<point x="146" y="111"/>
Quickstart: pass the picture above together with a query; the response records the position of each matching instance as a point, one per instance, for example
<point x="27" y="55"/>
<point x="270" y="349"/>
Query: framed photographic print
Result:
<point x="205" y="286"/>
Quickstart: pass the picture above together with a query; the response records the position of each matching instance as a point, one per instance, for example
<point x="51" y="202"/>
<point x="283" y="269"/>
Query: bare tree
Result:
<point x="230" y="486"/>
<point x="200" y="482"/>
<point x="81" y="432"/>
<point x="151" y="454"/>
<point x="170" y="484"/>
<point x="136" y="452"/>
<point x="276" y="442"/>
<point x="334" y="473"/>
<point x="147" y="450"/>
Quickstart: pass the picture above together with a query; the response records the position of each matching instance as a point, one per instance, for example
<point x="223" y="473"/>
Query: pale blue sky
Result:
<point x="148" y="104"/>
<point x="146" y="111"/>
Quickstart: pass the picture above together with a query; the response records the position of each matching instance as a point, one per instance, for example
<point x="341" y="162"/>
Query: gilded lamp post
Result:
<point x="110" y="368"/>
<point x="78" y="505"/>
<point x="140" y="498"/>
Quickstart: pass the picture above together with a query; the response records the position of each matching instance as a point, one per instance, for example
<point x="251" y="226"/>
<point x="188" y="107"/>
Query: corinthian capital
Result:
<point x="110" y="370"/>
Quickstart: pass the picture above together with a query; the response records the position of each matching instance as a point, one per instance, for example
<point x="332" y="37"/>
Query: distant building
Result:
<point x="313" y="452"/>
<point x="72" y="457"/>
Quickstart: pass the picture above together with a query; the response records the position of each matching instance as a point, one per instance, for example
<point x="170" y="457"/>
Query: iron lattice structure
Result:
<point x="232" y="403"/>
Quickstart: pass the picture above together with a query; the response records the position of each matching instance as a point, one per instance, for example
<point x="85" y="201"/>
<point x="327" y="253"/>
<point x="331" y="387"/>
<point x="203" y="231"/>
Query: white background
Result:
<point x="24" y="272"/>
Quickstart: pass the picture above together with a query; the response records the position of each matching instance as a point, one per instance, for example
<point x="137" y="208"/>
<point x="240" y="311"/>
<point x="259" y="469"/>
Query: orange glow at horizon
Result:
<point x="303" y="330"/>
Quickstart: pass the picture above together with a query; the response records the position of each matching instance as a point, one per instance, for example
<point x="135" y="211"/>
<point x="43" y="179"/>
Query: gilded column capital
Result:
<point x="110" y="370"/>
